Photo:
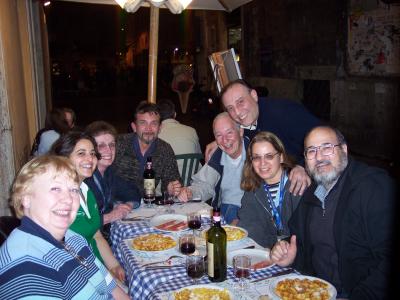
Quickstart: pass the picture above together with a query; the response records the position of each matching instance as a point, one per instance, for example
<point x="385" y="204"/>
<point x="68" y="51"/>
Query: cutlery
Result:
<point x="164" y="267"/>
<point x="138" y="218"/>
<point x="161" y="261"/>
<point x="288" y="271"/>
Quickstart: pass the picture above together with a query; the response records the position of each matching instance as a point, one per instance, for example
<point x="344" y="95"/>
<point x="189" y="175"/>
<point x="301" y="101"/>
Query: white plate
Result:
<point x="204" y="233"/>
<point x="256" y="255"/>
<point x="130" y="244"/>
<point x="161" y="219"/>
<point x="275" y="281"/>
<point x="208" y="286"/>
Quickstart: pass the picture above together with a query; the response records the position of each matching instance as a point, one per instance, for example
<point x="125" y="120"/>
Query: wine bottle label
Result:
<point x="210" y="259"/>
<point x="149" y="186"/>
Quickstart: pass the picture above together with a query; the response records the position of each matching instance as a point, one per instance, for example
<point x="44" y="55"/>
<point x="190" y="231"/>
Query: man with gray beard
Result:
<point x="342" y="228"/>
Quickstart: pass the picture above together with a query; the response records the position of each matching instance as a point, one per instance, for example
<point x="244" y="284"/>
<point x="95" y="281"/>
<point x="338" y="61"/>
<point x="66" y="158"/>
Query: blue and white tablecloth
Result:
<point x="152" y="283"/>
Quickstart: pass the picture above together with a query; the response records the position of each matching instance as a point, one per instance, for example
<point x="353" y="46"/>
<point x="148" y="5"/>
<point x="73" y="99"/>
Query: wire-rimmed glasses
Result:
<point x="324" y="149"/>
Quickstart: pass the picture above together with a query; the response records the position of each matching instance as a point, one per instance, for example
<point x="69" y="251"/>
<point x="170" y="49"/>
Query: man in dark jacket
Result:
<point x="342" y="229"/>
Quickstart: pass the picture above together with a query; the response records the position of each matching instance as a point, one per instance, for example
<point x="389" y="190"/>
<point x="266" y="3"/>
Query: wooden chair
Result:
<point x="191" y="163"/>
<point x="7" y="224"/>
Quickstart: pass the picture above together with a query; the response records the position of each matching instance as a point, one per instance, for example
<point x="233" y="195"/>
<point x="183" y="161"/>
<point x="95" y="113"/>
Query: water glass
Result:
<point x="168" y="200"/>
<point x="187" y="244"/>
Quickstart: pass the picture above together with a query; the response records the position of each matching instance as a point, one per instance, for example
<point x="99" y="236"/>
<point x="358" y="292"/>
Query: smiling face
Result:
<point x="241" y="104"/>
<point x="106" y="147"/>
<point x="52" y="201"/>
<point x="228" y="136"/>
<point x="325" y="169"/>
<point x="84" y="158"/>
<point x="147" y="127"/>
<point x="270" y="170"/>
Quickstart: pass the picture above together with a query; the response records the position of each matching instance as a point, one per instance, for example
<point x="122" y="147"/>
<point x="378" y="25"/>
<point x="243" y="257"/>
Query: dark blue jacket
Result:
<point x="287" y="119"/>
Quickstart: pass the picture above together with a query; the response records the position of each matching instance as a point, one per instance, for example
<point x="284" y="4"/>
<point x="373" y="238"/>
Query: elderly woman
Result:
<point x="43" y="258"/>
<point x="115" y="196"/>
<point x="267" y="203"/>
<point x="80" y="148"/>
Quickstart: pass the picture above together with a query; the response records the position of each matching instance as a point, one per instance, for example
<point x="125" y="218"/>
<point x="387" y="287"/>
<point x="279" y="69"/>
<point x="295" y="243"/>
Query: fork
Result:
<point x="162" y="261"/>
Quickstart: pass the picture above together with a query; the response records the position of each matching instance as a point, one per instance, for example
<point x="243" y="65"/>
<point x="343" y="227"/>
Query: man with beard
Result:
<point x="342" y="228"/>
<point x="134" y="148"/>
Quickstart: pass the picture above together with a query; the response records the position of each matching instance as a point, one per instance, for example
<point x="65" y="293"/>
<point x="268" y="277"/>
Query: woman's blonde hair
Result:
<point x="35" y="167"/>
<point x="250" y="179"/>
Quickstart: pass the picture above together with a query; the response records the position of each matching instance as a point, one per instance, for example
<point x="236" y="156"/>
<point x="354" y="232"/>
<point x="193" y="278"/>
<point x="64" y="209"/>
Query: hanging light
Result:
<point x="175" y="6"/>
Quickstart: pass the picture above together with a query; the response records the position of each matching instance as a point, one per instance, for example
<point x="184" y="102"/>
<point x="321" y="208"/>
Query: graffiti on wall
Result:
<point x="374" y="41"/>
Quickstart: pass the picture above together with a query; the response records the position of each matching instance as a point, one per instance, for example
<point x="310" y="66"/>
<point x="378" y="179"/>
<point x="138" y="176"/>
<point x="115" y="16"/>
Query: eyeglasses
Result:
<point x="324" y="149"/>
<point x="101" y="147"/>
<point x="258" y="158"/>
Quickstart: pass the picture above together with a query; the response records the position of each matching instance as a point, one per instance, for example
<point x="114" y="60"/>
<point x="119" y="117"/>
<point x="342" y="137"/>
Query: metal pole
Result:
<point x="153" y="52"/>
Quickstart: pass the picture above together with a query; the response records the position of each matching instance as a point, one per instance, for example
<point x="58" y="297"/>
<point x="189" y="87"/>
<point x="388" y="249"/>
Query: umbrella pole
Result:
<point x="153" y="52"/>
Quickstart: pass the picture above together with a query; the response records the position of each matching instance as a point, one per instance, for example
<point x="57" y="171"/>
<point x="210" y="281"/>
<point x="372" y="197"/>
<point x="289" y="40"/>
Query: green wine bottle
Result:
<point x="216" y="249"/>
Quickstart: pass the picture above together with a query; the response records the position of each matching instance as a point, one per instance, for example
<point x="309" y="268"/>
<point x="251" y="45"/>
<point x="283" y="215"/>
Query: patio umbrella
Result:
<point x="175" y="6"/>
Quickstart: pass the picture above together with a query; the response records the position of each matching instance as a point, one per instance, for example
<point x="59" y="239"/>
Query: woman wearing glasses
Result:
<point x="267" y="203"/>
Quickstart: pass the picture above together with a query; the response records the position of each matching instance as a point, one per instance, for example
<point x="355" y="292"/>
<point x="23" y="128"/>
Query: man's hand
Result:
<point x="283" y="253"/>
<point x="299" y="180"/>
<point x="210" y="148"/>
<point x="185" y="195"/>
<point x="174" y="187"/>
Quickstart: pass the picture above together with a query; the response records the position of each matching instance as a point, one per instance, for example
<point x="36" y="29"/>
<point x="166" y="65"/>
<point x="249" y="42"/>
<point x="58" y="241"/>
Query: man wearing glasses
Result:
<point x="342" y="229"/>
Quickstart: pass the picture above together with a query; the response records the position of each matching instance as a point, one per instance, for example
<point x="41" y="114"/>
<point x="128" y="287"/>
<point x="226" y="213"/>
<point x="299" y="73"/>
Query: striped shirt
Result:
<point x="33" y="265"/>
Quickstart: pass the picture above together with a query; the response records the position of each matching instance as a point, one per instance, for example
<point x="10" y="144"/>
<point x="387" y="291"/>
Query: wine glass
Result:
<point x="195" y="267"/>
<point x="168" y="200"/>
<point x="194" y="221"/>
<point x="187" y="244"/>
<point x="241" y="269"/>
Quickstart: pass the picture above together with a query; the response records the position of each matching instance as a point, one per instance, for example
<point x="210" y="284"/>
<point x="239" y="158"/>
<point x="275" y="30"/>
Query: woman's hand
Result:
<point x="118" y="273"/>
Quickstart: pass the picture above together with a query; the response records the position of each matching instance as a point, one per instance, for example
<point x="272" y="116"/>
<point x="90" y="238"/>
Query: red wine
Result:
<point x="149" y="182"/>
<point x="195" y="271"/>
<point x="187" y="248"/>
<point x="242" y="273"/>
<point x="194" y="224"/>
<point x="169" y="202"/>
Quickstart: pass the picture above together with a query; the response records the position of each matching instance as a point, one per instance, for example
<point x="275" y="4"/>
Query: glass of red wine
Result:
<point x="241" y="269"/>
<point x="187" y="244"/>
<point x="194" y="221"/>
<point x="195" y="267"/>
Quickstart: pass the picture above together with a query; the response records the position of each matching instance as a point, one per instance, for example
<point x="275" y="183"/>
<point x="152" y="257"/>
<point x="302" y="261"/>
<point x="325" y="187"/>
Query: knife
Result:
<point x="288" y="271"/>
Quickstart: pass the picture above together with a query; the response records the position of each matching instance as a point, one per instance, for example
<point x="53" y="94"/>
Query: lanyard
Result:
<point x="101" y="189"/>
<point x="276" y="211"/>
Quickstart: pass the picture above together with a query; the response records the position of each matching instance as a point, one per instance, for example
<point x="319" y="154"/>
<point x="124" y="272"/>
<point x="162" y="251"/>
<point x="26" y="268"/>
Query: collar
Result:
<point x="29" y="226"/>
<point x="250" y="127"/>
<point x="170" y="121"/>
<point x="83" y="198"/>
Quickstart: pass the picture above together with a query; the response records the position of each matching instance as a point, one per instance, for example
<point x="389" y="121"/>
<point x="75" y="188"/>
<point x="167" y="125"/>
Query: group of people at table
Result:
<point x="274" y="169"/>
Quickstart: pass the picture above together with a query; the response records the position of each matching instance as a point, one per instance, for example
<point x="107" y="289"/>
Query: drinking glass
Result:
<point x="168" y="200"/>
<point x="195" y="267"/>
<point x="187" y="244"/>
<point x="241" y="269"/>
<point x="194" y="221"/>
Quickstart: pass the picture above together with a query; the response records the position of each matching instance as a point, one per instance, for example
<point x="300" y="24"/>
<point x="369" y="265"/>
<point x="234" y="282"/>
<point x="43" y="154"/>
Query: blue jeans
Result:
<point x="229" y="212"/>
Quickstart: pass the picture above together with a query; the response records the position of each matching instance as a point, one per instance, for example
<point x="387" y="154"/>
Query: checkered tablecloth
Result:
<point x="150" y="283"/>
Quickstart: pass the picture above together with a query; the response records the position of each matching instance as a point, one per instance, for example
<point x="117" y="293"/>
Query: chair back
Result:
<point x="190" y="165"/>
<point x="7" y="224"/>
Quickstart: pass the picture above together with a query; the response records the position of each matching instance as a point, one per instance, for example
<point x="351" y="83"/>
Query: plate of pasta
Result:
<point x="233" y="233"/>
<point x="154" y="242"/>
<point x="203" y="292"/>
<point x="296" y="287"/>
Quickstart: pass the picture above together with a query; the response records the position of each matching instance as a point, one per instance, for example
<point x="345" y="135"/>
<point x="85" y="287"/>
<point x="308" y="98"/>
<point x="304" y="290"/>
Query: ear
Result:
<point x="26" y="201"/>
<point x="281" y="158"/>
<point x="344" y="148"/>
<point x="254" y="95"/>
<point x="133" y="126"/>
<point x="241" y="132"/>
